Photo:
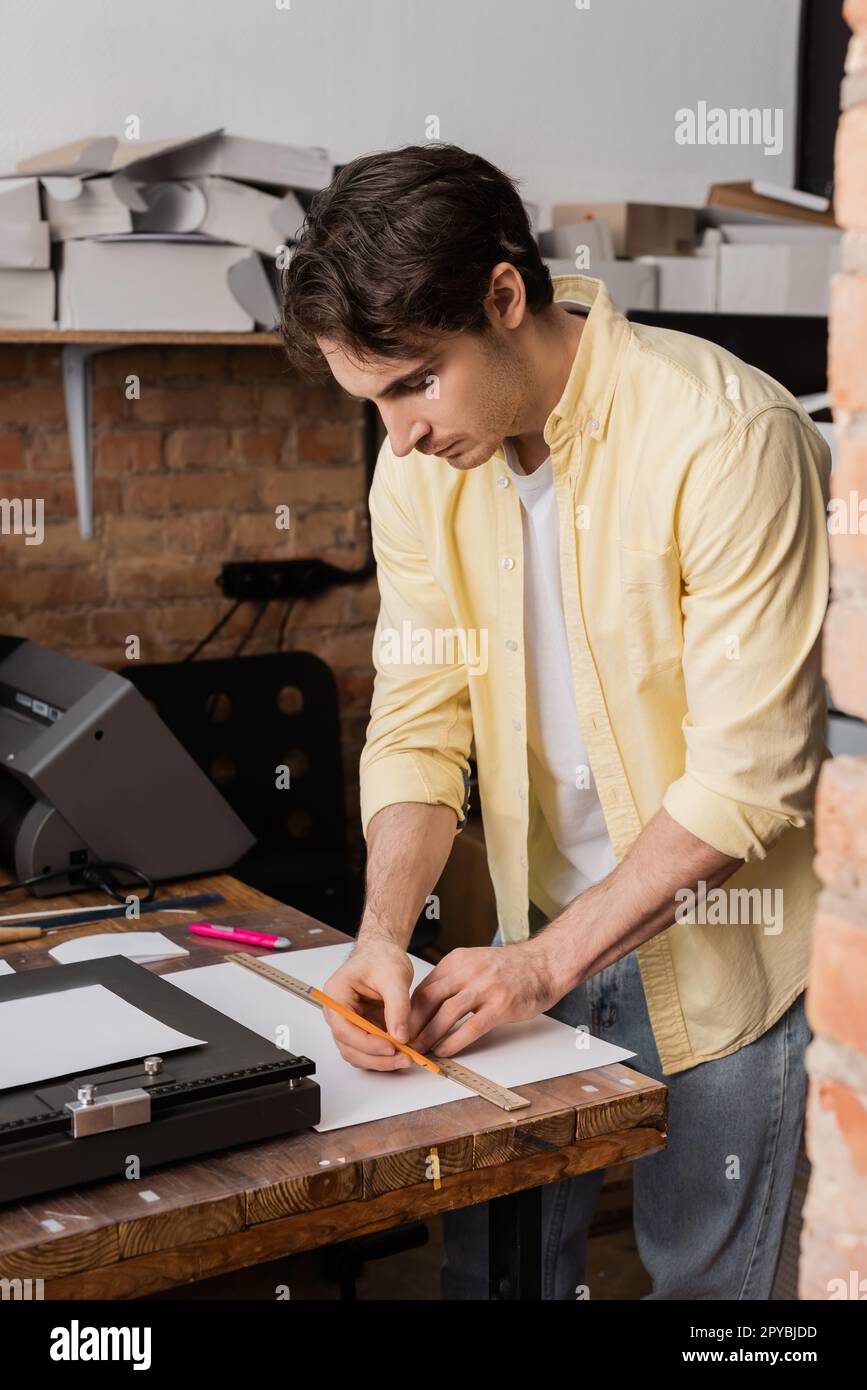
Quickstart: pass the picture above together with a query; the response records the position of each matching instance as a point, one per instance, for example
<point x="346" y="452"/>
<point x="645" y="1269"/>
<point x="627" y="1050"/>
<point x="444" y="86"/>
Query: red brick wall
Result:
<point x="185" y="478"/>
<point x="834" y="1238"/>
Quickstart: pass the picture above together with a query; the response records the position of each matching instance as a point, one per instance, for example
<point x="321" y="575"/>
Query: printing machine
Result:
<point x="76" y="1127"/>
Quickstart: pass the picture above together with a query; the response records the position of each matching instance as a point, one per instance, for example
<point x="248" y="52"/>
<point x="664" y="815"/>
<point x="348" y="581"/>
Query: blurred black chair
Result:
<point x="241" y="719"/>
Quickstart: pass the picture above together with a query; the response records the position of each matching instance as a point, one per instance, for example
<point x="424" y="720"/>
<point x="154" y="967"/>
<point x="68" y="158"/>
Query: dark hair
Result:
<point x="400" y="246"/>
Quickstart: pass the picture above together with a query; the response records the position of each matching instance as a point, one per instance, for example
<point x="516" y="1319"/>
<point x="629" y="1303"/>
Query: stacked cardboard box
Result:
<point x="26" y="280"/>
<point x="175" y="235"/>
<point x="750" y="250"/>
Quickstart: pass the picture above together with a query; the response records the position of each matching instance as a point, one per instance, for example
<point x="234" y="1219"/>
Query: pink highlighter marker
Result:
<point x="252" y="938"/>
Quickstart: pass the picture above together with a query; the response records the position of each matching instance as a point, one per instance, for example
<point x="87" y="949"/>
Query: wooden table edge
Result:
<point x="251" y="1218"/>
<point x="161" y="1271"/>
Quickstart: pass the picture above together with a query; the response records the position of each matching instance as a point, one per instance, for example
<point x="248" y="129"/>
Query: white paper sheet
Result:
<point x="513" y="1055"/>
<point x="137" y="945"/>
<point x="70" y="1030"/>
<point x="6" y="968"/>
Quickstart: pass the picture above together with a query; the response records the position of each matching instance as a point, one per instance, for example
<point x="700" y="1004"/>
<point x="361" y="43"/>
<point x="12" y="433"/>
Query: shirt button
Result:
<point x="508" y="563"/>
<point x="522" y="794"/>
<point x="516" y="723"/>
<point x="511" y="644"/>
<point x="523" y="861"/>
<point x="502" y="481"/>
<point x="592" y="424"/>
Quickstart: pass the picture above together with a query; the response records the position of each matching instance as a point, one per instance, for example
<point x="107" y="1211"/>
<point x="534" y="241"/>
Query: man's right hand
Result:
<point x="375" y="982"/>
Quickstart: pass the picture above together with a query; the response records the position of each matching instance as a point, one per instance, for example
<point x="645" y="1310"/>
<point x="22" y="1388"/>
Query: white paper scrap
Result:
<point x="137" y="945"/>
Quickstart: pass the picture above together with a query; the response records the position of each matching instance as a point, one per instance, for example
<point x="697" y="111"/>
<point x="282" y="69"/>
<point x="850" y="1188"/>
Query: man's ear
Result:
<point x="507" y="295"/>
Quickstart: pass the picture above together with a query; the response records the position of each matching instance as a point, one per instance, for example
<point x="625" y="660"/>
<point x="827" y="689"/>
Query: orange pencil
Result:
<point x="360" y="1022"/>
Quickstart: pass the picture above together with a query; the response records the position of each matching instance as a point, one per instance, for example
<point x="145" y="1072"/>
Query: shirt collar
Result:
<point x="586" y="400"/>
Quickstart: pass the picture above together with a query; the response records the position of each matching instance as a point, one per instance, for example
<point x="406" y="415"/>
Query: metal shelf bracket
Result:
<point x="76" y="390"/>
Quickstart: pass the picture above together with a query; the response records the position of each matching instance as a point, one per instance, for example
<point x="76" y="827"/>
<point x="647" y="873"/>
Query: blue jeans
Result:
<point x="710" y="1209"/>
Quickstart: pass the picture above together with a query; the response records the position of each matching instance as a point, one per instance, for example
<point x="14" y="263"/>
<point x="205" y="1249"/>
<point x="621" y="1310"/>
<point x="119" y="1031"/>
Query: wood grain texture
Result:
<point x="310" y="1231"/>
<point x="254" y="1203"/>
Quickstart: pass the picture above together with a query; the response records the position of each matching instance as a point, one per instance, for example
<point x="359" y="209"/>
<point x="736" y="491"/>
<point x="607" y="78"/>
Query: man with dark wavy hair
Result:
<point x="626" y="526"/>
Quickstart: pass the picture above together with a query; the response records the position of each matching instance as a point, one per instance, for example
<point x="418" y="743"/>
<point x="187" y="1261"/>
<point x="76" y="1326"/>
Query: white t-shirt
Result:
<point x="568" y="845"/>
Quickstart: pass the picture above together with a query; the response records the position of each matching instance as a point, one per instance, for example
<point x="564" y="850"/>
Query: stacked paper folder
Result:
<point x="173" y="235"/>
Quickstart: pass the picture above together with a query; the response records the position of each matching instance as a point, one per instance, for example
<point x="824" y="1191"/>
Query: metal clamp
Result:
<point x="92" y="1114"/>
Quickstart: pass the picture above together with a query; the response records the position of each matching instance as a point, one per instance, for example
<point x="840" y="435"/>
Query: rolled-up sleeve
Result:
<point x="420" y="730"/>
<point x="753" y="547"/>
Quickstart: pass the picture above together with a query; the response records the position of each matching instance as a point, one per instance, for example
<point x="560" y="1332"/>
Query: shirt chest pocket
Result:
<point x="652" y="619"/>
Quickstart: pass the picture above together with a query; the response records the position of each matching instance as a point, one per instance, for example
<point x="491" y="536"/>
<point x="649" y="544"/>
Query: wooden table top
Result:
<point x="258" y="1202"/>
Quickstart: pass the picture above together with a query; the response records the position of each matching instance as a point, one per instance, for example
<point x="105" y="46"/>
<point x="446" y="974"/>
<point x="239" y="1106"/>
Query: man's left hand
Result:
<point x="494" y="984"/>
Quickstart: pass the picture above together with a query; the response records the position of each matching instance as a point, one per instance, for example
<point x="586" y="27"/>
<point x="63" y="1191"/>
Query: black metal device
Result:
<point x="88" y="772"/>
<point x="78" y="1127"/>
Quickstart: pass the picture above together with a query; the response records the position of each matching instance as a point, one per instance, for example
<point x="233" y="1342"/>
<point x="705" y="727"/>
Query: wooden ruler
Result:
<point x="455" y="1071"/>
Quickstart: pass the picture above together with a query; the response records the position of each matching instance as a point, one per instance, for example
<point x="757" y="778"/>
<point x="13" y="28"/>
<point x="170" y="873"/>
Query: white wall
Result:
<point x="575" y="103"/>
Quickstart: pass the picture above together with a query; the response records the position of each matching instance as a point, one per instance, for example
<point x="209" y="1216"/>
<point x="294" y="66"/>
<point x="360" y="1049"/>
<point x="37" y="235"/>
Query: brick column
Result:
<point x="834" y="1237"/>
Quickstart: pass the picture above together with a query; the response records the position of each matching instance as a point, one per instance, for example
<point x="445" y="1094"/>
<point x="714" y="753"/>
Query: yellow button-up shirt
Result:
<point x="691" y="491"/>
